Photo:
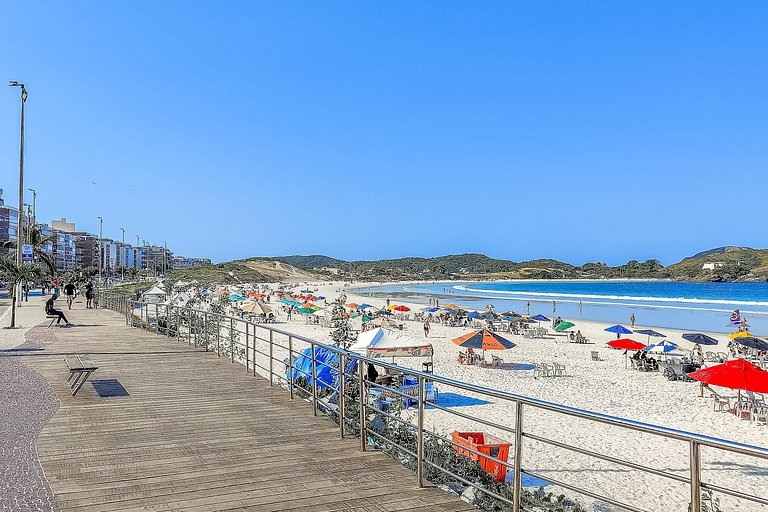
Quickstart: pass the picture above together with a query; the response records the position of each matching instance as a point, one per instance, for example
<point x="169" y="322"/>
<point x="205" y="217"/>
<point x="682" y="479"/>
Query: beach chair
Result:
<point x="539" y="370"/>
<point x="549" y="370"/>
<point x="558" y="370"/>
<point x="596" y="356"/>
<point x="721" y="403"/>
<point x="761" y="414"/>
<point x="496" y="361"/>
<point x="744" y="410"/>
<point x="710" y="357"/>
<point x="722" y="356"/>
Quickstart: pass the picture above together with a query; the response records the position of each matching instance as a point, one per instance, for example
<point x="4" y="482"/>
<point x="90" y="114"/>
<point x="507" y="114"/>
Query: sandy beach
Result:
<point x="607" y="387"/>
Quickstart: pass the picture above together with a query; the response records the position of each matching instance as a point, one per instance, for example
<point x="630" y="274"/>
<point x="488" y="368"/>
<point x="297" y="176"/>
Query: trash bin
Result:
<point x="487" y="444"/>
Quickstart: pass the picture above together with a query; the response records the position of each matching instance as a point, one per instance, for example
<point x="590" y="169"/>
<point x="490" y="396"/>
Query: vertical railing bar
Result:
<point x="342" y="390"/>
<point x="695" y="462"/>
<point x="247" y="355"/>
<point x="420" y="437"/>
<point x="232" y="338"/>
<point x="314" y="380"/>
<point x="518" y="484"/>
<point x="361" y="387"/>
<point x="271" y="360"/>
<point x="290" y="365"/>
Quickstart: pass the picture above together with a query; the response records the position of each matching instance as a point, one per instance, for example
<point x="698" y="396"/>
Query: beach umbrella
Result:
<point x="736" y="374"/>
<point x="651" y="334"/>
<point x="483" y="339"/>
<point x="540" y="318"/>
<point x="512" y="314"/>
<point x="306" y="291"/>
<point x="618" y="329"/>
<point x="740" y="334"/>
<point x="626" y="344"/>
<point x="451" y="306"/>
<point x="390" y="307"/>
<point x="264" y="308"/>
<point x="307" y="311"/>
<point x="473" y="314"/>
<point x="402" y="308"/>
<point x="364" y="306"/>
<point x="236" y="297"/>
<point x="310" y="305"/>
<point x="352" y="305"/>
<point x="755" y="343"/>
<point x="430" y="310"/>
<point x="284" y="301"/>
<point x="564" y="326"/>
<point x="320" y="297"/>
<point x="661" y="347"/>
<point x="701" y="339"/>
<point x="248" y="308"/>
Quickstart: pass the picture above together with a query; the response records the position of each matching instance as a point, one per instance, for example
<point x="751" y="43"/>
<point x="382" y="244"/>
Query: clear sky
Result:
<point x="582" y="131"/>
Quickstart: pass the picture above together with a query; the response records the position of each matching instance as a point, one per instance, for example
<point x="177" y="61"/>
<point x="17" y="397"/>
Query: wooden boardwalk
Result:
<point x="197" y="433"/>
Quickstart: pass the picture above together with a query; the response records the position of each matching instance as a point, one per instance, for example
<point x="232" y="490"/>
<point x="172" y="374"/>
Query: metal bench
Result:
<point x="80" y="367"/>
<point x="53" y="319"/>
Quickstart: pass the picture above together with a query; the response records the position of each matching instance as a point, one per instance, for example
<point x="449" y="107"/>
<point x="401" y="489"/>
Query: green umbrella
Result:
<point x="308" y="311"/>
<point x="564" y="326"/>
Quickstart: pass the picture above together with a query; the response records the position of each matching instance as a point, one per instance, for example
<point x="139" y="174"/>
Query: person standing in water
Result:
<point x="632" y="319"/>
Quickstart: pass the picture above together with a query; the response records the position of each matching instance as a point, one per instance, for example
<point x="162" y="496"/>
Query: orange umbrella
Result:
<point x="352" y="305"/>
<point x="483" y="339"/>
<point x="451" y="306"/>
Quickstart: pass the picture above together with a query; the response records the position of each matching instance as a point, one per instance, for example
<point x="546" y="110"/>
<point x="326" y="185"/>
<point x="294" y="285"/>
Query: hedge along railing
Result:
<point x="262" y="342"/>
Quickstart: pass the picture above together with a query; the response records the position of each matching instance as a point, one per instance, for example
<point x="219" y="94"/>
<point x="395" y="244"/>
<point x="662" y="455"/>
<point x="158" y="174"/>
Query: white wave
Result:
<point x="685" y="300"/>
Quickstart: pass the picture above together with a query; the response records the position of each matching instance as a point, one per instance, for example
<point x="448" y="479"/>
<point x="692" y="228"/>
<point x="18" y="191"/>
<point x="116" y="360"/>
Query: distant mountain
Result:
<point x="254" y="270"/>
<point x="730" y="263"/>
<point x="312" y="261"/>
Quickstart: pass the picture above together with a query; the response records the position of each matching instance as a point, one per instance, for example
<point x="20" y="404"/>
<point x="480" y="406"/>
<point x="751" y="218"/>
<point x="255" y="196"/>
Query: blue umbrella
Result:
<point x="321" y="298"/>
<point x="540" y="318"/>
<point x="618" y="329"/>
<point x="430" y="310"/>
<point x="662" y="346"/>
<point x="755" y="343"/>
<point x="364" y="306"/>
<point x="284" y="301"/>
<point x="306" y="291"/>
<point x="701" y="339"/>
<point x="651" y="334"/>
<point x="473" y="314"/>
<point x="236" y="297"/>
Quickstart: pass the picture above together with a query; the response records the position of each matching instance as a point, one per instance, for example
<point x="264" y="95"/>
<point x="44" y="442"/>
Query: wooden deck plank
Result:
<point x="198" y="433"/>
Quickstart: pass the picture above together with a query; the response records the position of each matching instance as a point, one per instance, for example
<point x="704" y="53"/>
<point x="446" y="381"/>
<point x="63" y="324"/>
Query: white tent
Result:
<point x="385" y="343"/>
<point x="154" y="295"/>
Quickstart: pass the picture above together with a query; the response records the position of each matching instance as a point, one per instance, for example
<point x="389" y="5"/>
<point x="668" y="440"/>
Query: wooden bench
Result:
<point x="80" y="367"/>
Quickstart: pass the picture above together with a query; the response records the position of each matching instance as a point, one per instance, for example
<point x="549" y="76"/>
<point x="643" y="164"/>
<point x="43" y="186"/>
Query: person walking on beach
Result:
<point x="528" y="307"/>
<point x="554" y="306"/>
<point x="426" y="328"/>
<point x="632" y="319"/>
<point x="581" y="306"/>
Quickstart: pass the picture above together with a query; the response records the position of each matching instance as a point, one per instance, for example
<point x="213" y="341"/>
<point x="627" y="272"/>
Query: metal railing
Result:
<point x="223" y="334"/>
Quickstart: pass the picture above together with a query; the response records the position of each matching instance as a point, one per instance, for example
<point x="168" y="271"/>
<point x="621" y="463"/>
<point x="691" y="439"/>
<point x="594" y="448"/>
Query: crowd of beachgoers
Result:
<point x="560" y="360"/>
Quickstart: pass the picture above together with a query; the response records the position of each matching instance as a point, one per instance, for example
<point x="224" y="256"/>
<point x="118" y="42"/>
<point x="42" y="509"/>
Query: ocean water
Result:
<point x="690" y="306"/>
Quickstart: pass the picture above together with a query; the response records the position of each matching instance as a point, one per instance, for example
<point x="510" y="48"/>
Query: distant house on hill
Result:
<point x="713" y="265"/>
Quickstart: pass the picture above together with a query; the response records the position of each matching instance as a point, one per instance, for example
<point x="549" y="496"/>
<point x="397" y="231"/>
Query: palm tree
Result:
<point x="38" y="241"/>
<point x="15" y="274"/>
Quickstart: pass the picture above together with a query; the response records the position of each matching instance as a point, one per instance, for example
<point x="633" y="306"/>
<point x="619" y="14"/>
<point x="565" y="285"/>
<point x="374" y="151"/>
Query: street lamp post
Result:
<point x="34" y="206"/>
<point x="20" y="228"/>
<point x="101" y="248"/>
<point x="122" y="257"/>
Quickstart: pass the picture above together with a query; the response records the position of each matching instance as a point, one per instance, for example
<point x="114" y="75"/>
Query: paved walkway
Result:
<point x="197" y="433"/>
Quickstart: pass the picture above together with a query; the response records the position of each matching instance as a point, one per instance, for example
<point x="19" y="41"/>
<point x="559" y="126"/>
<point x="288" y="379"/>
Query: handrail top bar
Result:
<point x="682" y="435"/>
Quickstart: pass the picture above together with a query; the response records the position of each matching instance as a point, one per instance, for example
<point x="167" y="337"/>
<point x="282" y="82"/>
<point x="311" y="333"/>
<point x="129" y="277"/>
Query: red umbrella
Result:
<point x="626" y="344"/>
<point x="736" y="374"/>
<point x="402" y="308"/>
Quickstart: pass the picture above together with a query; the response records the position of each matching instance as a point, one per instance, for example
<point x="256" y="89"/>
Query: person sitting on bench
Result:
<point x="51" y="311"/>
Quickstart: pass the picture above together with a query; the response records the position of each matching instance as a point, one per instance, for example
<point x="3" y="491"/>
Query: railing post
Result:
<point x="247" y="356"/>
<point x="518" y="483"/>
<point x="342" y="390"/>
<point x="695" y="476"/>
<point x="271" y="373"/>
<point x="157" y="321"/>
<point x="420" y="437"/>
<point x="314" y="380"/>
<point x="361" y="384"/>
<point x="231" y="338"/>
<point x="290" y="365"/>
<point x="218" y="337"/>
<point x="205" y="329"/>
<point x="167" y="321"/>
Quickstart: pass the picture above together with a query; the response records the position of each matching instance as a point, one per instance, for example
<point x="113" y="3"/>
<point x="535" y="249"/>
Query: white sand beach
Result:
<point x="606" y="387"/>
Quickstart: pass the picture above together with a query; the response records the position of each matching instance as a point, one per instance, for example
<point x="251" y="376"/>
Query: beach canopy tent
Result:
<point x="626" y="344"/>
<point x="564" y="326"/>
<point x="701" y="339"/>
<point x="326" y="367"/>
<point x="154" y="295"/>
<point x="618" y="329"/>
<point x="386" y="343"/>
<point x="661" y="347"/>
<point x="736" y="374"/>
<point x="754" y="343"/>
<point x="483" y="339"/>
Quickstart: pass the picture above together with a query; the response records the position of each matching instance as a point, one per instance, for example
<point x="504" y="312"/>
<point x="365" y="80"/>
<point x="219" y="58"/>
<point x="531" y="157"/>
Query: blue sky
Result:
<point x="582" y="131"/>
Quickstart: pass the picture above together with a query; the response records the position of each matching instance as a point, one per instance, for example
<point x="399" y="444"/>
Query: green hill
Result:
<point x="732" y="264"/>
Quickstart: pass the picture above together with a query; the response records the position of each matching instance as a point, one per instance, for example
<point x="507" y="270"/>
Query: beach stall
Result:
<point x="381" y="342"/>
<point x="154" y="295"/>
